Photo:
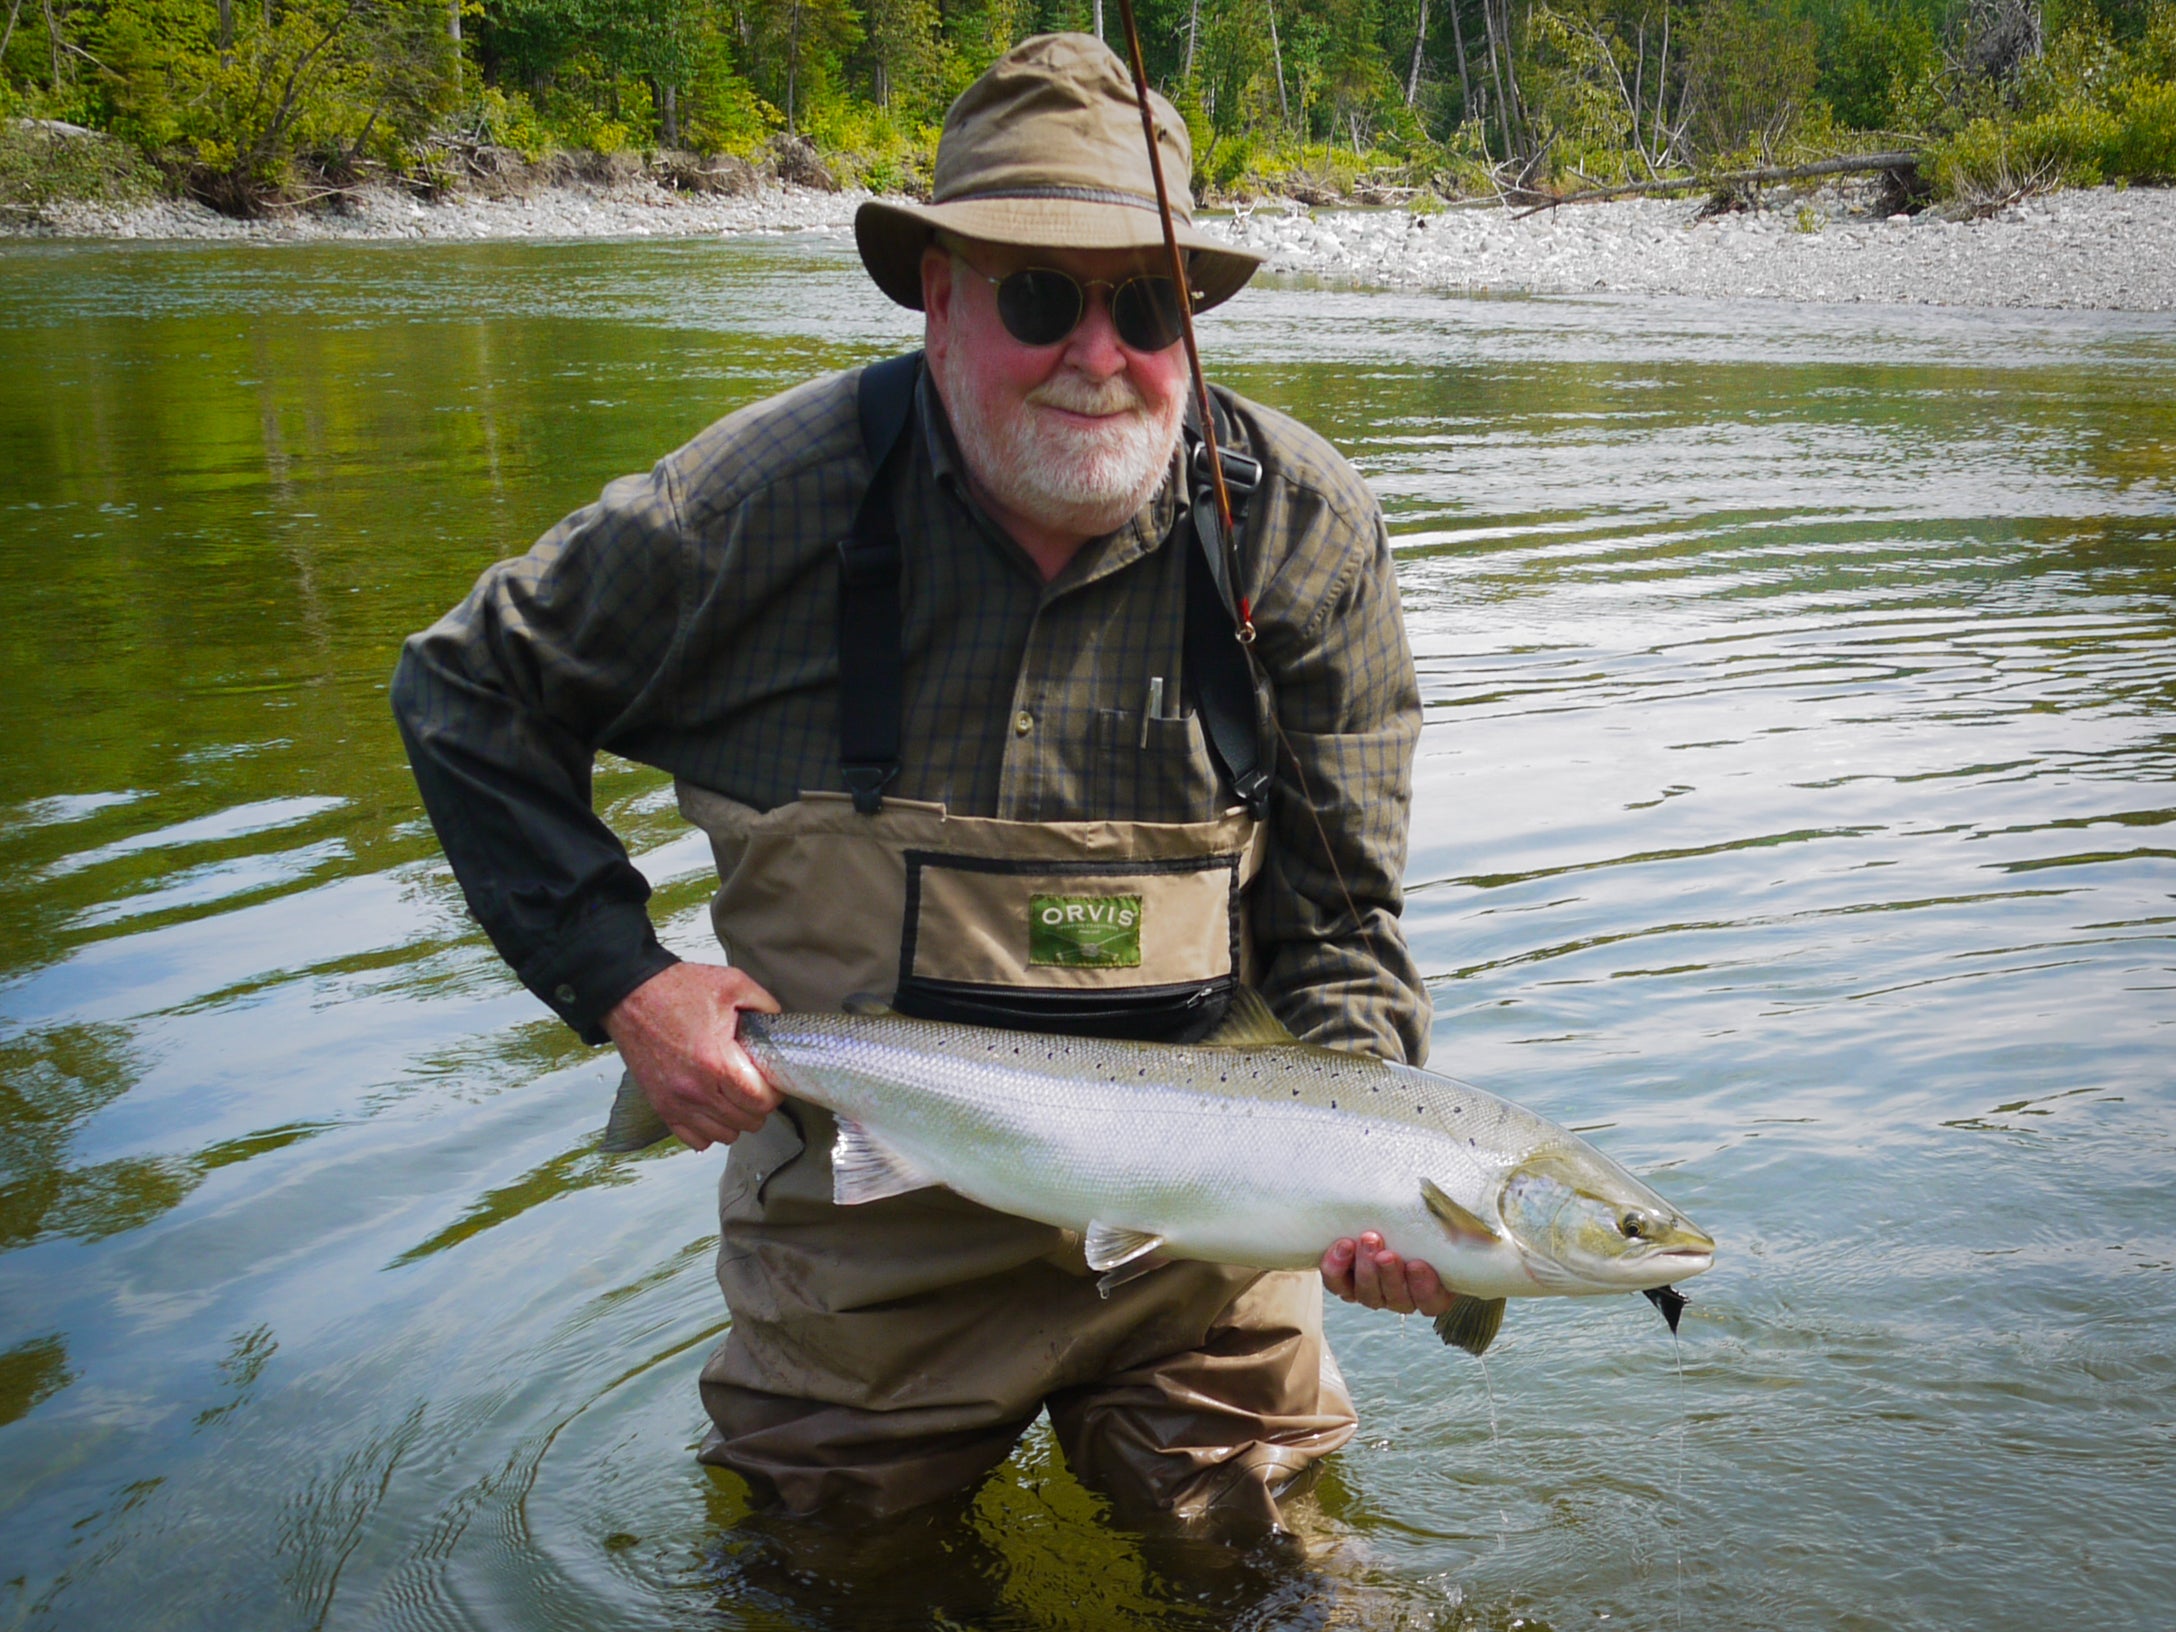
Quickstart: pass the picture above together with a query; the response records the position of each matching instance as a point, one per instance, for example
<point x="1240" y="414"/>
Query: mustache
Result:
<point x="1116" y="395"/>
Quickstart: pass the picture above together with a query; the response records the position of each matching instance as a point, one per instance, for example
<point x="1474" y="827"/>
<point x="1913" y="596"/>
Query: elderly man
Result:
<point x="942" y="657"/>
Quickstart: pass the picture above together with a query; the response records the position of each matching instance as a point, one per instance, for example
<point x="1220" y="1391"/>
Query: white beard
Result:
<point x="1086" y="480"/>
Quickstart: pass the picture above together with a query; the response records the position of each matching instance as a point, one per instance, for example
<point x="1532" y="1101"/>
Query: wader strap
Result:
<point x="872" y="686"/>
<point x="1220" y="671"/>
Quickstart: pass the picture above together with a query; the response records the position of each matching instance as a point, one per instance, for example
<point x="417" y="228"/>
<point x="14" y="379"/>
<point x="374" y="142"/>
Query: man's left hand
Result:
<point x="1368" y="1273"/>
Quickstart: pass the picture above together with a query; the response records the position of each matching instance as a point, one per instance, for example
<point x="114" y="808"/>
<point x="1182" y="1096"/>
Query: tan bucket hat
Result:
<point x="1045" y="151"/>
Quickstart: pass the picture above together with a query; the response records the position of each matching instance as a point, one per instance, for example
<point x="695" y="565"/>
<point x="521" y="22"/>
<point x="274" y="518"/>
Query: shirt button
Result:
<point x="1022" y="723"/>
<point x="563" y="992"/>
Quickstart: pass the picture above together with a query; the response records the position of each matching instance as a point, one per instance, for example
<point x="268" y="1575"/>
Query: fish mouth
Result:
<point x="1683" y="1241"/>
<point x="1683" y="1252"/>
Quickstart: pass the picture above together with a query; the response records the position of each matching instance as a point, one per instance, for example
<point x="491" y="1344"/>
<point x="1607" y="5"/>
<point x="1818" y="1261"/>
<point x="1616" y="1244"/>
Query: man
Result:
<point x="1022" y="670"/>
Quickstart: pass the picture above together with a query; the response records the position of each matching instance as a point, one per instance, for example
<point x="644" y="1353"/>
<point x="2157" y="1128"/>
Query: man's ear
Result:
<point x="936" y="301"/>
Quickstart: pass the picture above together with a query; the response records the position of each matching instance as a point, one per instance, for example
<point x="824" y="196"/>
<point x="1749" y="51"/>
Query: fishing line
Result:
<point x="1677" y="1493"/>
<point x="1495" y="1457"/>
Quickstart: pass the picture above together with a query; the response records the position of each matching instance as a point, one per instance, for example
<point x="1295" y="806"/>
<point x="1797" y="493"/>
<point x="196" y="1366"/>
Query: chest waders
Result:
<point x="885" y="1355"/>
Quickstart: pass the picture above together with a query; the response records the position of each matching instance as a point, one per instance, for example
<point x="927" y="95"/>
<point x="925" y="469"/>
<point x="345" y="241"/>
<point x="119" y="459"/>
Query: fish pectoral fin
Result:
<point x="1111" y="1245"/>
<point x="1132" y="1270"/>
<point x="1455" y="1218"/>
<point x="865" y="1169"/>
<point x="1471" y="1323"/>
<point x="634" y="1123"/>
<point x="1248" y="1023"/>
<point x="867" y="1003"/>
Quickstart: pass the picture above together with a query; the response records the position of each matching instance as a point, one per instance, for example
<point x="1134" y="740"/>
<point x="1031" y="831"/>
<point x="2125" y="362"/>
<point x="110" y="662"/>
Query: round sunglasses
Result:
<point x="1040" y="306"/>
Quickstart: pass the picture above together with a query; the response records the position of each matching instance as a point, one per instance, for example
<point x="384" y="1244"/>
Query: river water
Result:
<point x="1794" y="814"/>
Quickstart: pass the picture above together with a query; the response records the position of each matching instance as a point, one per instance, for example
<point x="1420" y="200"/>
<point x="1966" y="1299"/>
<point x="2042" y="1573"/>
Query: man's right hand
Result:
<point x="678" y="1033"/>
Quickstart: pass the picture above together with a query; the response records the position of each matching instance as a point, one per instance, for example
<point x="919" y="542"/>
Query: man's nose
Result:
<point x="1094" y="348"/>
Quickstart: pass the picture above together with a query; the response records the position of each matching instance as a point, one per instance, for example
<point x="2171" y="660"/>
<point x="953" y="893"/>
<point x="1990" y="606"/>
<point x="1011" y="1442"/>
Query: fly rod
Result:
<point x="1242" y="607"/>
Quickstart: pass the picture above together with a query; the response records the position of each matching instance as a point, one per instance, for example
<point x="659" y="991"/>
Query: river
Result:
<point x="1793" y="815"/>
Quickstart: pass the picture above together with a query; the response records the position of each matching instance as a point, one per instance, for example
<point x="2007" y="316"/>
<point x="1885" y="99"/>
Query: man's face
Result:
<point x="1070" y="438"/>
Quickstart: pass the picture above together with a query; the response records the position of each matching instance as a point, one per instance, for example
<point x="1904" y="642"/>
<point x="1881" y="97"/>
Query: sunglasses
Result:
<point x="1040" y="306"/>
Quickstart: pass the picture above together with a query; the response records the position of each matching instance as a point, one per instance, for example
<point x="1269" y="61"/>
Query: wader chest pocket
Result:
<point x="1145" y="949"/>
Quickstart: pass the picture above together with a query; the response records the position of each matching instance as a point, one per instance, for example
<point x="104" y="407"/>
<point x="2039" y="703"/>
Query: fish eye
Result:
<point x="1633" y="1225"/>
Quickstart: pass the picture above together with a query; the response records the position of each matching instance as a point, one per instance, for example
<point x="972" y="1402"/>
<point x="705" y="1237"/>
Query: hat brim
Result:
<point x="891" y="237"/>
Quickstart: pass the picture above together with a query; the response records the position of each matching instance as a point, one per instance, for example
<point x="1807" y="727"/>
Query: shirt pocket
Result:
<point x="1156" y="770"/>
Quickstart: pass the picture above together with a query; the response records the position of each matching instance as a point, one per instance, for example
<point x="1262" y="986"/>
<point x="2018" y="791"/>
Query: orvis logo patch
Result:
<point x="1085" y="931"/>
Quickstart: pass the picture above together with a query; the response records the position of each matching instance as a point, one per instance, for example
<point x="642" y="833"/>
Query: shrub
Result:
<point x="2087" y="111"/>
<point x="1878" y="53"/>
<point x="39" y="167"/>
<point x="2144" y="145"/>
<point x="1991" y="162"/>
<point x="1751" y="76"/>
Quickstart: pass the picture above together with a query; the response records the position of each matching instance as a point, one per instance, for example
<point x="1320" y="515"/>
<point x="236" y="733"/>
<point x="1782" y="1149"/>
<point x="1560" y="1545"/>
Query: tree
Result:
<point x="1876" y="46"/>
<point x="1749" y="77"/>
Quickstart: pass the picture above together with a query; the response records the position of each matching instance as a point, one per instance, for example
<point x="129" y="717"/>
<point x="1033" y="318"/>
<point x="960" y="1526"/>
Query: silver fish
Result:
<point x="1248" y="1148"/>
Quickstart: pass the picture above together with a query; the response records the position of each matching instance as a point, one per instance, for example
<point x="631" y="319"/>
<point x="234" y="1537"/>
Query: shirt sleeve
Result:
<point x="503" y="704"/>
<point x="1336" y="966"/>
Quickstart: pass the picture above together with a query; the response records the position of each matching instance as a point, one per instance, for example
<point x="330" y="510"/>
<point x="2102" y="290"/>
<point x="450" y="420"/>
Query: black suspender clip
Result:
<point x="1229" y="689"/>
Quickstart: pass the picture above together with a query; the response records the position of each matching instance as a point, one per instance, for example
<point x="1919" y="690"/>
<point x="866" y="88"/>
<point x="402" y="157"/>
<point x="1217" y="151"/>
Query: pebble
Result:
<point x="634" y="209"/>
<point x="2108" y="248"/>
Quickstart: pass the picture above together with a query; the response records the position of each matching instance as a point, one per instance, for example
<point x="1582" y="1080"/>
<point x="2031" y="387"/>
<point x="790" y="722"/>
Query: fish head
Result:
<point x="1583" y="1221"/>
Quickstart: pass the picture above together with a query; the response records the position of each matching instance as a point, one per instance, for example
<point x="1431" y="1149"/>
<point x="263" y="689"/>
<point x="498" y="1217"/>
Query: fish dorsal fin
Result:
<point x="1248" y="1023"/>
<point x="865" y="1169"/>
<point x="1110" y="1245"/>
<point x="1471" y="1323"/>
<point x="634" y="1123"/>
<point x="875" y="1003"/>
<point x="1462" y="1224"/>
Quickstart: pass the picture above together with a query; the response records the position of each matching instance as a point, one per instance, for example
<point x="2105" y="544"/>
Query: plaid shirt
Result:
<point x="687" y="620"/>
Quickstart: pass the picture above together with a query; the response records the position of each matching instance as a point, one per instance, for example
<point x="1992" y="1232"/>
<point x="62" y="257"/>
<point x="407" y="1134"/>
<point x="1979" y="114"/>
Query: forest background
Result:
<point x="248" y="104"/>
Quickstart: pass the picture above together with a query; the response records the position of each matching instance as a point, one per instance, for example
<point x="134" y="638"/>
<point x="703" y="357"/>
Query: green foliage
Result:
<point x="1577" y="87"/>
<point x="271" y="99"/>
<point x="868" y="147"/>
<point x="509" y="119"/>
<point x="904" y="57"/>
<point x="2089" y="110"/>
<point x="1751" y="75"/>
<point x="1879" y="50"/>
<point x="39" y="168"/>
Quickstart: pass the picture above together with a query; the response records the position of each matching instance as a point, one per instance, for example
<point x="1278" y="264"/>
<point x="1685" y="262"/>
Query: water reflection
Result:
<point x="30" y="1373"/>
<point x="1792" y="812"/>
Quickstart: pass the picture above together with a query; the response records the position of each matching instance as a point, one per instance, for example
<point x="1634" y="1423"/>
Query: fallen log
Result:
<point x="1856" y="164"/>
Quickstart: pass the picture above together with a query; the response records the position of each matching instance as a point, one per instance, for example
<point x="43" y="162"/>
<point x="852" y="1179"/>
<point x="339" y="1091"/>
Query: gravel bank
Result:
<point x="2105" y="248"/>
<point x="634" y="209"/>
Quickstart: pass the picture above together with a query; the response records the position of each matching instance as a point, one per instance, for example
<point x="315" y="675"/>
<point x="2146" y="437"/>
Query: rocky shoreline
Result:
<point x="2108" y="248"/>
